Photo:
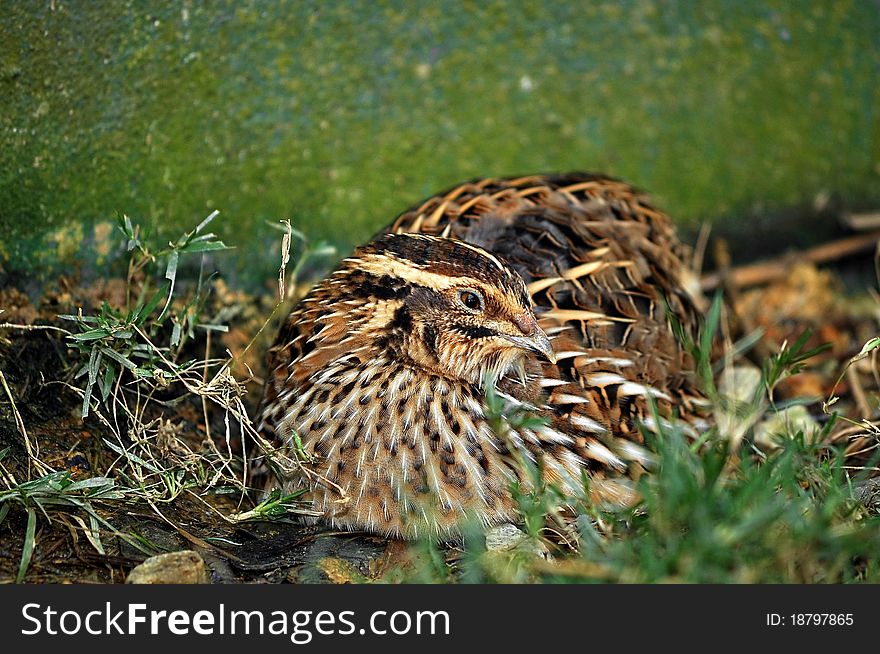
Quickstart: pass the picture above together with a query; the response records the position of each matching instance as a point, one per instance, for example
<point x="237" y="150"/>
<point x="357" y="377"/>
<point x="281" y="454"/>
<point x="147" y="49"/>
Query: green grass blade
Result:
<point x="116" y="356"/>
<point x="207" y="221"/>
<point x="91" y="335"/>
<point x="144" y="312"/>
<point x="204" y="246"/>
<point x="29" y="542"/>
<point x="91" y="482"/>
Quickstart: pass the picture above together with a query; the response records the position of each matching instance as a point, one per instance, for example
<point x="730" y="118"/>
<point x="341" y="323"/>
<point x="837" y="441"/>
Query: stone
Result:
<point x="185" y="567"/>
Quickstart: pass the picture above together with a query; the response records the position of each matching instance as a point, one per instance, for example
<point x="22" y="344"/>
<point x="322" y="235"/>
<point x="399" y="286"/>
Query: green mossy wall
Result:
<point x="339" y="115"/>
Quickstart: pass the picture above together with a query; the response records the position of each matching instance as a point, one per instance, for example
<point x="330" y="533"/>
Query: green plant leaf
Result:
<point x="867" y="348"/>
<point x="91" y="334"/>
<point x="91" y="482"/>
<point x="143" y="312"/>
<point x="116" y="356"/>
<point x="29" y="543"/>
<point x="171" y="276"/>
<point x="107" y="381"/>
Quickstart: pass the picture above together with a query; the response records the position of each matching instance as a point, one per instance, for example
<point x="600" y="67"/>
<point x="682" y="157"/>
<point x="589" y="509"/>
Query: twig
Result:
<point x="862" y="222"/>
<point x="700" y="247"/>
<point x="858" y="392"/>
<point x="285" y="257"/>
<point x="33" y="328"/>
<point x="205" y="381"/>
<point x="763" y="272"/>
<point x="33" y="452"/>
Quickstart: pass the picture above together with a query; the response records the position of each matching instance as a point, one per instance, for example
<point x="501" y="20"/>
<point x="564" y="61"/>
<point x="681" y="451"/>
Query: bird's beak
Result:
<point x="536" y="342"/>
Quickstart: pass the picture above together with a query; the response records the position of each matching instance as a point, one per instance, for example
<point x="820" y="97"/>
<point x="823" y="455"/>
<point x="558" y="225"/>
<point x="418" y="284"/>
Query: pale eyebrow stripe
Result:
<point x="484" y="253"/>
<point x="383" y="265"/>
<point x="469" y="246"/>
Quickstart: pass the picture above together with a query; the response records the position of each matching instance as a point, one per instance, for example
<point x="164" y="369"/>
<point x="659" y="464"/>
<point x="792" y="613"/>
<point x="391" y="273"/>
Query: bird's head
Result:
<point x="448" y="306"/>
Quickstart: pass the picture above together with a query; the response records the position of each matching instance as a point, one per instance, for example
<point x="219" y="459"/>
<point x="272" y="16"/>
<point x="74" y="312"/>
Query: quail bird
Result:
<point x="553" y="293"/>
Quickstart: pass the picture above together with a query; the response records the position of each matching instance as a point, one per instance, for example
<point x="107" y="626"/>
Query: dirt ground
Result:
<point x="39" y="367"/>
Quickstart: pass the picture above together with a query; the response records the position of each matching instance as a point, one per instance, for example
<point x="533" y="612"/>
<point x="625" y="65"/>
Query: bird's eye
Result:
<point x="471" y="300"/>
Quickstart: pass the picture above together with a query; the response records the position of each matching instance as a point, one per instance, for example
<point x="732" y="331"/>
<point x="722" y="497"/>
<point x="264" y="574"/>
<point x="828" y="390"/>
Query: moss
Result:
<point x="340" y="116"/>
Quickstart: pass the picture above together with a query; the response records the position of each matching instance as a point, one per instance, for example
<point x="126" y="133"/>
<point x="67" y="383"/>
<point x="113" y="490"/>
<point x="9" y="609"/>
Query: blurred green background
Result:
<point x="340" y="115"/>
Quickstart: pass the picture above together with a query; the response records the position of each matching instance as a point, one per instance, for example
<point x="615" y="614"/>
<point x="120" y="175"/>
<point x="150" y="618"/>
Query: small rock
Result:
<point x="740" y="382"/>
<point x="788" y="421"/>
<point x="868" y="493"/>
<point x="185" y="567"/>
<point x="501" y="538"/>
<point x="508" y="537"/>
